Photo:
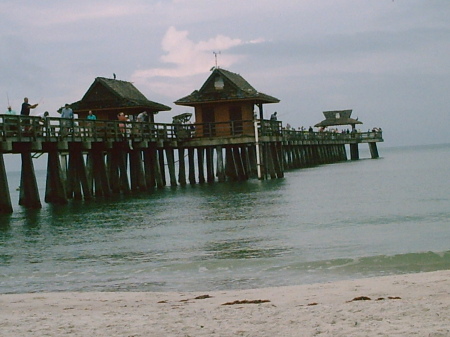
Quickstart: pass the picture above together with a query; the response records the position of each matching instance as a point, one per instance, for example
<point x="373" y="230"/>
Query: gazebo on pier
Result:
<point x="342" y="117"/>
<point x="107" y="97"/>
<point x="225" y="105"/>
<point x="338" y="117"/>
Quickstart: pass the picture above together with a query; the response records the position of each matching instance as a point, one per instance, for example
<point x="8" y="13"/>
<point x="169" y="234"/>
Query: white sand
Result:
<point x="421" y="308"/>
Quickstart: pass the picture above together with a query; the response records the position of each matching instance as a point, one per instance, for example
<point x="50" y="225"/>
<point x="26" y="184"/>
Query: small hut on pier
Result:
<point x="107" y="97"/>
<point x="338" y="117"/>
<point x="222" y="104"/>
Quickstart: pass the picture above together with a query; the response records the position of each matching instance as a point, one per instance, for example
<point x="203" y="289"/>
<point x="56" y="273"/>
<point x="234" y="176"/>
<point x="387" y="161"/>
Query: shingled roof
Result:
<point x="235" y="88"/>
<point x="337" y="117"/>
<point x="111" y="93"/>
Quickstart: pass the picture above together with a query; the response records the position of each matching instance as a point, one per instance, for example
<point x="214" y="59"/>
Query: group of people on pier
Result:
<point x="25" y="110"/>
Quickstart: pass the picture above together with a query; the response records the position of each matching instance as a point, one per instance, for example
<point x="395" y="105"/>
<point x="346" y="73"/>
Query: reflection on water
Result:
<point x="370" y="217"/>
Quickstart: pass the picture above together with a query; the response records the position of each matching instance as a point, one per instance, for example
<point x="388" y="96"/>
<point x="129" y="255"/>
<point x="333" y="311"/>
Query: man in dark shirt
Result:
<point x="26" y="107"/>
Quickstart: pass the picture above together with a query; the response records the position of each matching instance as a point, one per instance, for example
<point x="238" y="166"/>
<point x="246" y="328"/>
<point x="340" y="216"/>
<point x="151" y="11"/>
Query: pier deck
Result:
<point x="89" y="159"/>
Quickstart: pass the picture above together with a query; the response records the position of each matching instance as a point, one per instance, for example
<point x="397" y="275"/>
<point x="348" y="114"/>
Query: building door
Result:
<point x="209" y="128"/>
<point x="236" y="120"/>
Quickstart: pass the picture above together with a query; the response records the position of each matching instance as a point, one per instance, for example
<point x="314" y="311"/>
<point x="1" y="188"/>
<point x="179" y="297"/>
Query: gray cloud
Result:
<point x="386" y="60"/>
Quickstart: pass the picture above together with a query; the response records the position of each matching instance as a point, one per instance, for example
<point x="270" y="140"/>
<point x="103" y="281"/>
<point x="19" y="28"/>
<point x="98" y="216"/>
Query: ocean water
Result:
<point x="348" y="220"/>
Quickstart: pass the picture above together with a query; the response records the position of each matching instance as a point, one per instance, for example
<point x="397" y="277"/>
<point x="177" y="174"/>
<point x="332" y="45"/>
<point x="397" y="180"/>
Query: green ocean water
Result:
<point x="332" y="222"/>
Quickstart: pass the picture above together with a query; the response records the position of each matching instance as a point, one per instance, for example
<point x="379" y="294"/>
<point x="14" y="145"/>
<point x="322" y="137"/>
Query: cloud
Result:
<point x="65" y="13"/>
<point x="184" y="57"/>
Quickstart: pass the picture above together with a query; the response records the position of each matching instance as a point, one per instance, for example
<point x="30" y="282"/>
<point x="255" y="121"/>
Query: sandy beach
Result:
<point x="402" y="305"/>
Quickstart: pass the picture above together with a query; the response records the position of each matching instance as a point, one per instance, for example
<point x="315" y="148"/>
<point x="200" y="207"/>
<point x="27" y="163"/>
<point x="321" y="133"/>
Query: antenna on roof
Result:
<point x="215" y="56"/>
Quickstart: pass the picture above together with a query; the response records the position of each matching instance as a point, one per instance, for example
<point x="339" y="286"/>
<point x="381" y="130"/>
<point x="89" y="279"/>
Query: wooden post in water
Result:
<point x="83" y="177"/>
<point x="162" y="168"/>
<point x="200" y="158"/>
<point x="5" y="198"/>
<point x="191" y="162"/>
<point x="181" y="167"/>
<point x="160" y="183"/>
<point x="245" y="161"/>
<point x="277" y="153"/>
<point x="29" y="194"/>
<point x="150" y="161"/>
<point x="239" y="165"/>
<point x="270" y="161"/>
<point x="344" y="152"/>
<point x="77" y="179"/>
<point x="209" y="164"/>
<point x="230" y="167"/>
<point x="136" y="170"/>
<point x="55" y="191"/>
<point x="220" y="167"/>
<point x="354" y="152"/>
<point x="299" y="156"/>
<point x="134" y="162"/>
<point x="123" y="171"/>
<point x="113" y="160"/>
<point x="101" y="181"/>
<point x="373" y="150"/>
<point x="171" y="164"/>
<point x="253" y="173"/>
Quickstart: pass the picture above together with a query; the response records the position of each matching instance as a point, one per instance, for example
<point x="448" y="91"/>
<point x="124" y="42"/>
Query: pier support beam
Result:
<point x="230" y="166"/>
<point x="220" y="167"/>
<point x="118" y="169"/>
<point x="181" y="167"/>
<point x="77" y="178"/>
<point x="171" y="164"/>
<point x="277" y="159"/>
<point x="200" y="158"/>
<point x="209" y="165"/>
<point x="160" y="183"/>
<point x="150" y="162"/>
<point x="55" y="191"/>
<point x="354" y="152"/>
<point x="5" y="198"/>
<point x="239" y="164"/>
<point x="101" y="181"/>
<point x="373" y="150"/>
<point x="29" y="194"/>
<point x="251" y="151"/>
<point x="137" y="176"/>
<point x="191" y="162"/>
<point x="162" y="168"/>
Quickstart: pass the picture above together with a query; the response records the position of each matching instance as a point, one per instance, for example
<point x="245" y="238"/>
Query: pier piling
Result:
<point x="5" y="198"/>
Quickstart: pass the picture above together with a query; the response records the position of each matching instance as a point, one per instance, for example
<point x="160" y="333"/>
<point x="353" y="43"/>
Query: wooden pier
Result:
<point x="229" y="141"/>
<point x="102" y="158"/>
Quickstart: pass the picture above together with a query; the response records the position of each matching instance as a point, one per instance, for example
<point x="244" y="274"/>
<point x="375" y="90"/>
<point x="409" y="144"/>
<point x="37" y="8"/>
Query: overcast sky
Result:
<point x="387" y="60"/>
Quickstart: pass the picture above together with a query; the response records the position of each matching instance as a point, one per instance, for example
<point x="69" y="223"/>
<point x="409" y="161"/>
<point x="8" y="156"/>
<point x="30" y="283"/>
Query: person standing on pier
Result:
<point x="91" y="118"/>
<point x="142" y="118"/>
<point x="26" y="107"/>
<point x="67" y="119"/>
<point x="9" y="111"/>
<point x="11" y="122"/>
<point x="25" y="111"/>
<point x="122" y="119"/>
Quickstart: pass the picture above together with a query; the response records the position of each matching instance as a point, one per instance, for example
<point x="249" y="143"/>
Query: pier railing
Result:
<point x="24" y="128"/>
<point x="29" y="128"/>
<point x="300" y="135"/>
